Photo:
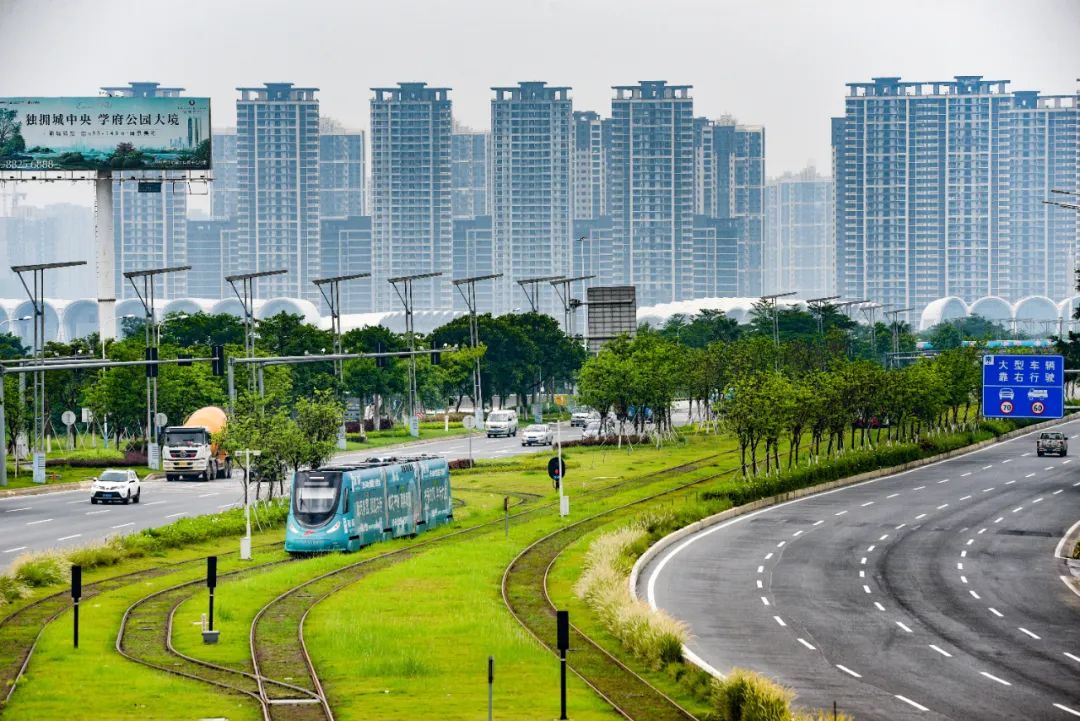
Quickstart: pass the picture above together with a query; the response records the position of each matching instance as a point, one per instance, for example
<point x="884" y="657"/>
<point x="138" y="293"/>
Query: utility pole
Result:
<point x="569" y="307"/>
<point x="469" y="294"/>
<point x="245" y="542"/>
<point x="246" y="296"/>
<point x="147" y="298"/>
<point x="332" y="296"/>
<point x="771" y="300"/>
<point x="403" y="286"/>
<point x="817" y="307"/>
<point x="533" y="295"/>
<point x="896" y="328"/>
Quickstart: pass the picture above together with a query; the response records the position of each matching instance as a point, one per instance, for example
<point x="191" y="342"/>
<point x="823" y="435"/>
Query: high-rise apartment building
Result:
<point x="277" y="154"/>
<point x="531" y="140"/>
<point x="149" y="228"/>
<point x="210" y="241"/>
<point x="411" y="125"/>
<point x="716" y="257"/>
<point x="342" y="171"/>
<point x="473" y="257"/>
<point x="591" y="156"/>
<point x="346" y="250"/>
<point x="740" y="193"/>
<point x="798" y="254"/>
<point x="652" y="190"/>
<point x="469" y="173"/>
<point x="223" y="188"/>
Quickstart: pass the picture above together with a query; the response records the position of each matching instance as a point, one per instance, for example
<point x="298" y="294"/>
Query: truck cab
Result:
<point x="186" y="453"/>
<point x="1052" y="442"/>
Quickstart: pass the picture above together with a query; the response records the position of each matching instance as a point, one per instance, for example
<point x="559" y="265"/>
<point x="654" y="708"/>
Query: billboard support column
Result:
<point x="106" y="267"/>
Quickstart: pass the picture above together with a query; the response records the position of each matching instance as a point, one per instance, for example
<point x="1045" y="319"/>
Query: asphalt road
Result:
<point x="931" y="594"/>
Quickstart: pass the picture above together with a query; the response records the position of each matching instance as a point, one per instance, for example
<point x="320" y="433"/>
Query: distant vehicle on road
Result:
<point x="116" y="485"/>
<point x="1052" y="442"/>
<point x="189" y="451"/>
<point x="592" y="431"/>
<point x="583" y="418"/>
<point x="501" y="423"/>
<point x="537" y="434"/>
<point x="1005" y="394"/>
<point x="344" y="508"/>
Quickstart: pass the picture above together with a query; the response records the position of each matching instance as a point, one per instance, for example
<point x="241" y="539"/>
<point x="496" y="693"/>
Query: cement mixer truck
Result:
<point x="188" y="451"/>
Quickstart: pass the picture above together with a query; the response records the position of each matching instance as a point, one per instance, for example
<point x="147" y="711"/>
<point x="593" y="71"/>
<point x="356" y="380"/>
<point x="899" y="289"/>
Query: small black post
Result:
<point x="491" y="684"/>
<point x="506" y="513"/>
<point x="563" y="622"/>
<point x="211" y="583"/>
<point x="834" y="710"/>
<point x="76" y="594"/>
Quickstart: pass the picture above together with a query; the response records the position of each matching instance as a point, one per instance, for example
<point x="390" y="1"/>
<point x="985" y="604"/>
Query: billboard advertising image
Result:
<point x="105" y="133"/>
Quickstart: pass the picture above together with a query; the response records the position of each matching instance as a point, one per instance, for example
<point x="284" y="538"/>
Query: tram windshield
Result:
<point x="315" y="496"/>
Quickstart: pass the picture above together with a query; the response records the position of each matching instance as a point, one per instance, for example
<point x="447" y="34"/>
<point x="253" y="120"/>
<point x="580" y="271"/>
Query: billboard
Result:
<point x="105" y="133"/>
<point x="612" y="311"/>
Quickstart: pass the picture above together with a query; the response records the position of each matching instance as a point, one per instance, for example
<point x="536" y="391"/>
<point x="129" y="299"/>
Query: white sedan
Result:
<point x="116" y="485"/>
<point x="537" y="434"/>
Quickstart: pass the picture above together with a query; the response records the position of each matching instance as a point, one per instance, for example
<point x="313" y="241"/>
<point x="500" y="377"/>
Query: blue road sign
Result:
<point x="1023" y="386"/>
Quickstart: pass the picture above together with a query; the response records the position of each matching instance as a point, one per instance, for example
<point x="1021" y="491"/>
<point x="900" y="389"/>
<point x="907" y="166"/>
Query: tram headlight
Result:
<point x="334" y="527"/>
<point x="293" y="528"/>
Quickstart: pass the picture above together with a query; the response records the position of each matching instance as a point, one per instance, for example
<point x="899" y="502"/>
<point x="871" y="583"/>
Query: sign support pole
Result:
<point x="106" y="267"/>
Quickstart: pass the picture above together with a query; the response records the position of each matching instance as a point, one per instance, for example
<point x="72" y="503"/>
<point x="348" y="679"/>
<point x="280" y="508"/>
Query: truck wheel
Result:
<point x="170" y="477"/>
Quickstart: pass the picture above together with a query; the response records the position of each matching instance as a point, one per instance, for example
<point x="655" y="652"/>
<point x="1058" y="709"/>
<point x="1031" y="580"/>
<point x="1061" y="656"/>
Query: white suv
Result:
<point x="116" y="485"/>
<point x="501" y="423"/>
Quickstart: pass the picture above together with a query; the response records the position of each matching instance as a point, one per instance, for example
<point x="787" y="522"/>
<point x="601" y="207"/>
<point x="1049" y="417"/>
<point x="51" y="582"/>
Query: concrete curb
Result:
<point x="667" y="541"/>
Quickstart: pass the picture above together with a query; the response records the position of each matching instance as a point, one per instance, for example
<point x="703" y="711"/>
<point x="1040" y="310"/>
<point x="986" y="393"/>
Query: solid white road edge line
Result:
<point x="992" y="677"/>
<point x="942" y="651"/>
<point x="1066" y="709"/>
<point x="804" y="642"/>
<point x="1065" y="580"/>
<point x="848" y="671"/>
<point x="911" y="703"/>
<point x="1029" y="633"/>
<point x="1059" y="552"/>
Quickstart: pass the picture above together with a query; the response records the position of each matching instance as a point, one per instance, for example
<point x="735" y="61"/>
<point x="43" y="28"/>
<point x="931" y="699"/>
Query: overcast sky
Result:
<point x="778" y="63"/>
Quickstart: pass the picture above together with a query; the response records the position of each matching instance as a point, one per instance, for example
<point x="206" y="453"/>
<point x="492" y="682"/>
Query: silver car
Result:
<point x="538" y="434"/>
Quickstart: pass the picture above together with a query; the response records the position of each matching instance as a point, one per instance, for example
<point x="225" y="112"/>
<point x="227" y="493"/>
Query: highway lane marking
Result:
<point x="765" y="600"/>
<point x="884" y="537"/>
<point x="227" y="505"/>
<point x="918" y="488"/>
<point x="24" y="508"/>
<point x="863" y="561"/>
<point x="781" y="544"/>
<point x="1037" y="500"/>
<point x="182" y="513"/>
<point x="920" y="516"/>
<point x="68" y="538"/>
<point x="1076" y="484"/>
<point x="796" y="534"/>
<point x="34" y="523"/>
<point x="768" y="555"/>
<point x="1066" y="709"/>
<point x="959" y="566"/>
<point x="760" y="584"/>
<point x="963" y="554"/>
<point x="818" y="523"/>
<point x="992" y="677"/>
<point x="81" y="500"/>
<point x="981" y="531"/>
<point x="17" y="548"/>
<point x="848" y="671"/>
<point x="1056" y="492"/>
<point x="761" y="569"/>
<point x="1009" y="483"/>
<point x="970" y="541"/>
<point x="1067" y="460"/>
<point x="804" y="642"/>
<point x="963" y="579"/>
<point x="900" y="526"/>
<point x="943" y="506"/>
<point x="124" y="525"/>
<point x="987" y="468"/>
<point x="892" y="495"/>
<point x="1073" y="657"/>
<point x="966" y="498"/>
<point x="974" y="595"/>
<point x="1025" y="454"/>
<point x="779" y="620"/>
<point x="94" y="513"/>
<point x="870" y="548"/>
<point x="999" y="519"/>
<point x="913" y="704"/>
<point x="1018" y="508"/>
<point x="904" y="627"/>
<point x="878" y="606"/>
<point x="942" y="651"/>
<point x="965" y="475"/>
<point x="1049" y="468"/>
<point x="840" y="513"/>
<point x="868" y="503"/>
<point x="996" y="612"/>
<point x="154" y="503"/>
<point x="866" y="588"/>
<point x="943" y="480"/>
<point x="1029" y="633"/>
<point x="862" y="574"/>
<point x="207" y="495"/>
<point x="1030" y="475"/>
<point x="987" y="490"/>
<point x="1007" y="460"/>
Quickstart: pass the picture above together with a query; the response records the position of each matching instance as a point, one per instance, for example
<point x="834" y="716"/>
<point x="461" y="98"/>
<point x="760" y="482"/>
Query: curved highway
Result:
<point x="930" y="594"/>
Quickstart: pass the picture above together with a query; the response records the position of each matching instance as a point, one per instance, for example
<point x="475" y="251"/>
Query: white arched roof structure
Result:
<point x="1033" y="313"/>
<point x="424" y="321"/>
<point x="993" y="308"/>
<point x="292" y="306"/>
<point x="941" y="310"/>
<point x="54" y="311"/>
<point x="1066" y="309"/>
<point x="228" y="305"/>
<point x="190" y="306"/>
<point x="80" y="318"/>
<point x="129" y="307"/>
<point x="7" y="313"/>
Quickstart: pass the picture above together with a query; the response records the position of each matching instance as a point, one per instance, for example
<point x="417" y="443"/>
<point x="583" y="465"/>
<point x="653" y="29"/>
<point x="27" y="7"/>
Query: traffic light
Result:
<point x="381" y="361"/>
<point x="151" y="368"/>
<point x="217" y="363"/>
<point x="183" y="359"/>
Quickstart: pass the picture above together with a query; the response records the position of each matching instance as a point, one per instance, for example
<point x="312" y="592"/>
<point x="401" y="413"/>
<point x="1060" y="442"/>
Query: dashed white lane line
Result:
<point x="974" y="595"/>
<point x="94" y="513"/>
<point x="154" y="503"/>
<point x="1037" y="500"/>
<point x="913" y="704"/>
<point x="1007" y="460"/>
<point x="863" y="560"/>
<point x="864" y="505"/>
<point x="963" y="579"/>
<point x="965" y="475"/>
<point x="943" y="506"/>
<point x="779" y="620"/>
<point x="1030" y="475"/>
<point x="870" y="548"/>
<point x="765" y="600"/>
<point x="1049" y="468"/>
<point x="904" y="627"/>
<point x="227" y="505"/>
<point x="124" y="525"/>
<point x="987" y="468"/>
<point x="920" y="516"/>
<point x="987" y="490"/>
<point x="1024" y="454"/>
<point x="918" y="488"/>
<point x="892" y="495"/>
<point x="959" y="566"/>
<point x="768" y="555"/>
<point x="1076" y="484"/>
<point x="1009" y="483"/>
<point x="207" y="495"/>
<point x="182" y="513"/>
<point x="862" y="574"/>
<point x="1026" y="632"/>
<point x="878" y="606"/>
<point x="43" y="520"/>
<point x="970" y="541"/>
<point x="24" y="508"/>
<point x="1067" y="460"/>
<point x="781" y="544"/>
<point x="1072" y="656"/>
<point x="900" y="526"/>
<point x="761" y="569"/>
<point x="943" y="480"/>
<point x="17" y="548"/>
<point x="963" y="554"/>
<point x="760" y="584"/>
<point x="981" y="531"/>
<point x="999" y="519"/>
<point x="942" y="651"/>
<point x="818" y="523"/>
<point x="69" y="503"/>
<point x="848" y="671"/>
<point x="883" y="537"/>
<point x="1066" y="709"/>
<point x="806" y="643"/>
<point x="68" y="538"/>
<point x="866" y="588"/>
<point x="1056" y="492"/>
<point x="992" y="677"/>
<point x="1017" y="509"/>
<point x="966" y="498"/>
<point x="996" y="612"/>
<point x="796" y="534"/>
<point x="840" y="513"/>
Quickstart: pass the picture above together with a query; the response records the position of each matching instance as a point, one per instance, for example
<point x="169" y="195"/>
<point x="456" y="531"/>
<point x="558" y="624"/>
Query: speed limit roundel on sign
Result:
<point x="1038" y="408"/>
<point x="1006" y="407"/>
